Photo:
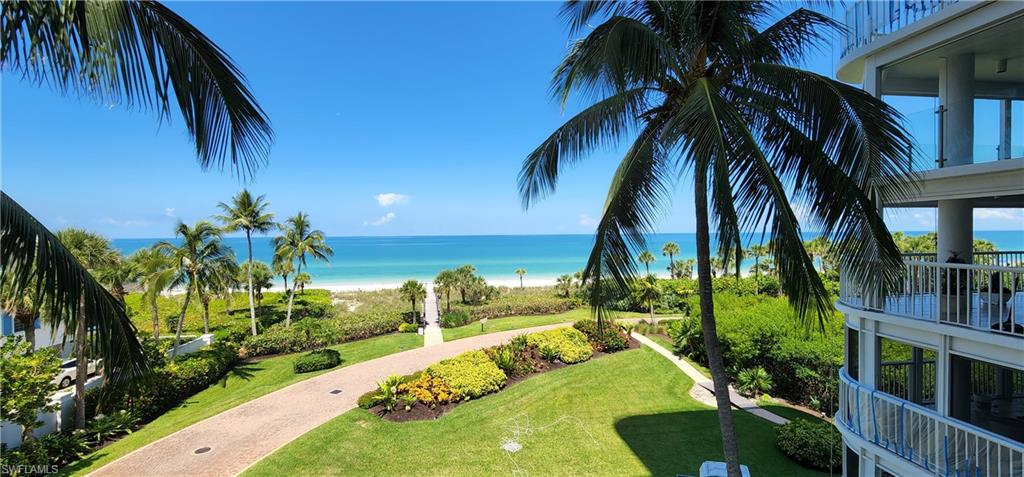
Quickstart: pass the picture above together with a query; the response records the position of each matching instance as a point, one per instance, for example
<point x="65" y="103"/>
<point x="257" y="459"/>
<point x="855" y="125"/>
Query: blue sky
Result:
<point x="390" y="119"/>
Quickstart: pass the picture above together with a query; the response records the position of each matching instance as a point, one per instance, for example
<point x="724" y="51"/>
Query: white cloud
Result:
<point x="124" y="223"/>
<point x="169" y="212"/>
<point x="587" y="221"/>
<point x="1011" y="215"/>
<point x="388" y="217"/>
<point x="388" y="199"/>
<point x="924" y="219"/>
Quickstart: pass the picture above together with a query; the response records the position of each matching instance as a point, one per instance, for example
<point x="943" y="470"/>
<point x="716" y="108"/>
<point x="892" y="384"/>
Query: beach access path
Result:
<point x="432" y="332"/>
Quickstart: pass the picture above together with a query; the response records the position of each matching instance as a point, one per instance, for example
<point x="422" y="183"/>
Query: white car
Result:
<point x="66" y="375"/>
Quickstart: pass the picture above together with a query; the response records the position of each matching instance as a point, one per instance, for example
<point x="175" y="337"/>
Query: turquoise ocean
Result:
<point x="386" y="261"/>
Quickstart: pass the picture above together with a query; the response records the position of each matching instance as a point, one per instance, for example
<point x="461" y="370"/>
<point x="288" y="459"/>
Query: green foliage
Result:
<point x="51" y="451"/>
<point x="815" y="444"/>
<point x="754" y="381"/>
<point x="408" y="327"/>
<point x="387" y="392"/>
<point x="310" y="333"/>
<point x="456" y="318"/>
<point x="26" y="379"/>
<point x="608" y="339"/>
<point x="317" y="360"/>
<point x="569" y="345"/>
<point x="518" y="302"/>
<point x="106" y="427"/>
<point x="511" y="358"/>
<point x="471" y="374"/>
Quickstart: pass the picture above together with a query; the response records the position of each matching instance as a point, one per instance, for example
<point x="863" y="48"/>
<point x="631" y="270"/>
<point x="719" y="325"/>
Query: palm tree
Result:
<point x="564" y="284"/>
<point x="708" y="94"/>
<point x="413" y="291"/>
<point x="647" y="291"/>
<point x="117" y="274"/>
<point x="262" y="278"/>
<point x="817" y="249"/>
<point x="94" y="253"/>
<point x="671" y="249"/>
<point x="221" y="279"/>
<point x="249" y="214"/>
<point x="23" y="308"/>
<point x="646" y="258"/>
<point x="301" y="280"/>
<point x="757" y="251"/>
<point x="159" y="59"/>
<point x="683" y="268"/>
<point x="283" y="265"/>
<point x="464" y="279"/>
<point x="199" y="259"/>
<point x="298" y="239"/>
<point x="445" y="281"/>
<point x="520" y="272"/>
<point x="156" y="271"/>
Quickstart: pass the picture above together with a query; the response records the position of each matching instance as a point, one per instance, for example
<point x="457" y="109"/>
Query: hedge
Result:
<point x="316" y="360"/>
<point x="515" y="302"/>
<point x="470" y="375"/>
<point x="815" y="444"/>
<point x="569" y="344"/>
<point x="314" y="333"/>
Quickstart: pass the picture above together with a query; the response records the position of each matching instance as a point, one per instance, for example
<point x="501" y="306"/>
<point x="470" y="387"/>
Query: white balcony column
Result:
<point x="1005" y="125"/>
<point x="869" y="353"/>
<point x="955" y="229"/>
<point x="956" y="94"/>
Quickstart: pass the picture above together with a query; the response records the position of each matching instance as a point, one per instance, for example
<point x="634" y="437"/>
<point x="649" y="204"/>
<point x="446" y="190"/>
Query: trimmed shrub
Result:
<point x="316" y="360"/>
<point x="568" y="344"/>
<point x="815" y="444"/>
<point x="370" y="399"/>
<point x="455" y="318"/>
<point x="313" y="333"/>
<point x="470" y="375"/>
<point x="608" y="339"/>
<point x="408" y="328"/>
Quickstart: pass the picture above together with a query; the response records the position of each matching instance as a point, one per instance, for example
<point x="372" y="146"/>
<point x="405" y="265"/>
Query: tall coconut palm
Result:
<point x="94" y="253"/>
<point x="520" y="272"/>
<point x="703" y="93"/>
<point x="156" y="272"/>
<point x="137" y="53"/>
<point x="249" y="214"/>
<point x="671" y="249"/>
<point x="646" y="258"/>
<point x="199" y="257"/>
<point x="299" y="239"/>
<point x="220" y="279"/>
<point x="445" y="281"/>
<point x="413" y="291"/>
<point x="647" y="291"/>
<point x="757" y="251"/>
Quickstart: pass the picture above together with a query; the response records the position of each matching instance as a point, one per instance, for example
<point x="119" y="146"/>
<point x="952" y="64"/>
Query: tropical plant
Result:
<point x="94" y="253"/>
<point x="27" y="380"/>
<point x="156" y="270"/>
<point x="413" y="291"/>
<point x="117" y="274"/>
<point x="220" y="279"/>
<point x="199" y="258"/>
<point x="445" y="281"/>
<point x="69" y="46"/>
<point x="646" y="258"/>
<point x="709" y="94"/>
<point x="23" y="308"/>
<point x="683" y="268"/>
<point x="301" y="280"/>
<point x="754" y="381"/>
<point x="465" y="277"/>
<point x="249" y="214"/>
<point x="520" y="272"/>
<point x="262" y="278"/>
<point x="757" y="251"/>
<point x="298" y="239"/>
<point x="671" y="249"/>
<point x="564" y="284"/>
<point x="283" y="265"/>
<point x="647" y="292"/>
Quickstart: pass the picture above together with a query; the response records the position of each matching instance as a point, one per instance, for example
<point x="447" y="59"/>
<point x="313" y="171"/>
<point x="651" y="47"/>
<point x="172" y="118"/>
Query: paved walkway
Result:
<point x="702" y="381"/>
<point x="432" y="332"/>
<point x="241" y="436"/>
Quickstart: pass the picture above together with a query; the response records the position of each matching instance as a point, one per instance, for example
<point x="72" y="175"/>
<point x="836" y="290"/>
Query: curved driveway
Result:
<point x="241" y="436"/>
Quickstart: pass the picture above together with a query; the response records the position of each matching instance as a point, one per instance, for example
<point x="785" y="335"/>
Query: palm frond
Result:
<point x="34" y="258"/>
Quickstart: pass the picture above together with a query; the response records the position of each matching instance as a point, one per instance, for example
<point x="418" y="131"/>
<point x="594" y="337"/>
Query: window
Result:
<point x="987" y="395"/>
<point x="907" y="372"/>
<point x="853" y="353"/>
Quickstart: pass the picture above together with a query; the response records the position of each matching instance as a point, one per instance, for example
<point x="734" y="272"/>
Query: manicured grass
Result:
<point x="517" y="322"/>
<point x="624" y="414"/>
<point x="242" y="384"/>
<point x="789" y="412"/>
<point x="665" y="343"/>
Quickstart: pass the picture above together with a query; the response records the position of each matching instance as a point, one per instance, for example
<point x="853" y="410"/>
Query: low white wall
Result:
<point x="10" y="433"/>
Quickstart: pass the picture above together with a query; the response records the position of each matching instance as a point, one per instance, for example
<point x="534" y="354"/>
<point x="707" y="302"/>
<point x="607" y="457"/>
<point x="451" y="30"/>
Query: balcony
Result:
<point x="867" y="21"/>
<point x="987" y="295"/>
<point x="937" y="444"/>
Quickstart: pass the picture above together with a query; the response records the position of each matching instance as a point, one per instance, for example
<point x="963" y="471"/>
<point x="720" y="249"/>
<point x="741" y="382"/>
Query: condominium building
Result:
<point x="933" y="382"/>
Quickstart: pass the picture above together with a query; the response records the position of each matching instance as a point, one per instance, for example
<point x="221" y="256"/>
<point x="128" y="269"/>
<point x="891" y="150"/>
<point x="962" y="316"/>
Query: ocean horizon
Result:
<point x="385" y="261"/>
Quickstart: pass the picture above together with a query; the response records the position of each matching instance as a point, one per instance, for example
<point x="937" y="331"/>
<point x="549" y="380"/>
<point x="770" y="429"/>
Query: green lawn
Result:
<point x="517" y="322"/>
<point x="789" y="412"/>
<point x="244" y="383"/>
<point x="665" y="343"/>
<point x="625" y="414"/>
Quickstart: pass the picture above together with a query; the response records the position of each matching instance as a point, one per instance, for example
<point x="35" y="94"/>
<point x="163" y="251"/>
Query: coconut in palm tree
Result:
<point x="709" y="91"/>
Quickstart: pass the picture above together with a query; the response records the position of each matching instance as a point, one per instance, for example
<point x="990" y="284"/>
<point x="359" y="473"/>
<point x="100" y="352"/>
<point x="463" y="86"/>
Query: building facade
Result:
<point x="933" y="382"/>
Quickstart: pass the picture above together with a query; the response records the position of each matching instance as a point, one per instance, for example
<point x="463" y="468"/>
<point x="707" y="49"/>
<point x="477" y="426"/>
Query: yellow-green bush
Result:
<point x="469" y="375"/>
<point x="569" y="344"/>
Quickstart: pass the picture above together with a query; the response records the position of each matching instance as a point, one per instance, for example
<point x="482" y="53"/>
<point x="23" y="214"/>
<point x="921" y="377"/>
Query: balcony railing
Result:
<point x="868" y="20"/>
<point x="984" y="297"/>
<point x="939" y="445"/>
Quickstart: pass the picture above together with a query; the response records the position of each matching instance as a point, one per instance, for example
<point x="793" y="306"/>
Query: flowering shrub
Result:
<point x="429" y="390"/>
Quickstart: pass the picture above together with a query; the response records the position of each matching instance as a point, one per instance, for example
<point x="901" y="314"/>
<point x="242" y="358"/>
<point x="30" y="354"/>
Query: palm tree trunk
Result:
<point x="671" y="268"/>
<point x="206" y="316"/>
<point x="181" y="320"/>
<point x="651" y="309"/>
<point x="448" y="304"/>
<point x="285" y="277"/>
<point x="156" y="319"/>
<point x="707" y="321"/>
<point x="28" y="321"/>
<point x="520" y="281"/>
<point x="415" y="317"/>
<point x="252" y="305"/>
<point x="81" y="368"/>
<point x="291" y="296"/>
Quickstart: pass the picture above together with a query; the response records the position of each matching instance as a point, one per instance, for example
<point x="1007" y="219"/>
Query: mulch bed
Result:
<point x="421" y="412"/>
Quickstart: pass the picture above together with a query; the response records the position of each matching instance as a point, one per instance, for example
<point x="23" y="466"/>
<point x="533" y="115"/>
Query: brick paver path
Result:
<point x="241" y="436"/>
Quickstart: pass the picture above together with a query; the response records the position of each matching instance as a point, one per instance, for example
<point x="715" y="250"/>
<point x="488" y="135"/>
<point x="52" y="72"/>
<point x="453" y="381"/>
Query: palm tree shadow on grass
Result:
<point x="241" y="371"/>
<point x="676" y="443"/>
